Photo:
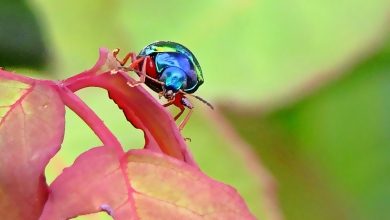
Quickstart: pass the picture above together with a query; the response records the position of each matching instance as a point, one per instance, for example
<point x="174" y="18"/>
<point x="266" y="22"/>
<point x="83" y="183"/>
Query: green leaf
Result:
<point x="75" y="36"/>
<point x="257" y="51"/>
<point x="329" y="152"/>
<point x="250" y="51"/>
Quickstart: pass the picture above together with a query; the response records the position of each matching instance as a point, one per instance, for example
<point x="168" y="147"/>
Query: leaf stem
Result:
<point x="90" y="118"/>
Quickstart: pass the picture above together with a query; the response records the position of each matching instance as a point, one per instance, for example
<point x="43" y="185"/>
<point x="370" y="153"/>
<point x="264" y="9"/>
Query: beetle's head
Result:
<point x="174" y="79"/>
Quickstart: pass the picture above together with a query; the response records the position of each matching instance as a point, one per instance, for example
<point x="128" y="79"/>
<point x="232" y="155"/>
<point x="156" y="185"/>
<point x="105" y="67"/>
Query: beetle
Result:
<point x="171" y="70"/>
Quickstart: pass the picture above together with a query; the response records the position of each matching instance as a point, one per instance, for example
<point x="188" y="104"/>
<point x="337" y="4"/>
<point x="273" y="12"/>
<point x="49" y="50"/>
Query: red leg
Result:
<point x="125" y="59"/>
<point x="142" y="74"/>
<point x="134" y="67"/>
<point x="184" y="102"/>
<point x="135" y="63"/>
<point x="169" y="103"/>
<point x="180" y="113"/>
<point x="181" y="102"/>
<point x="184" y="122"/>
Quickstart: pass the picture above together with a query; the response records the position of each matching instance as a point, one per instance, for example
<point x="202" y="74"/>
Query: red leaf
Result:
<point x="31" y="131"/>
<point x="140" y="185"/>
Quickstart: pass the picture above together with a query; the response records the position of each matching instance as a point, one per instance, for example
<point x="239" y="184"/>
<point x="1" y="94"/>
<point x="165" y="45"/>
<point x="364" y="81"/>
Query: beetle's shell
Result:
<point x="167" y="53"/>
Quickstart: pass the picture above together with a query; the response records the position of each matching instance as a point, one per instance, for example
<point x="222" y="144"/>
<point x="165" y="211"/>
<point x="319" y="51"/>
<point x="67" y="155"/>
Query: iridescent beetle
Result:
<point x="169" y="69"/>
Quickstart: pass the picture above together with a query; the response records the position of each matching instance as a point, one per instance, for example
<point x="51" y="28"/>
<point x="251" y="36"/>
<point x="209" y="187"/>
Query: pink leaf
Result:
<point x="31" y="131"/>
<point x="141" y="184"/>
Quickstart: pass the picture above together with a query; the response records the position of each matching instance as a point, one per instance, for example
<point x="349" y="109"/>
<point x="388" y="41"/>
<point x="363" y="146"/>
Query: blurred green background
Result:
<point x="302" y="126"/>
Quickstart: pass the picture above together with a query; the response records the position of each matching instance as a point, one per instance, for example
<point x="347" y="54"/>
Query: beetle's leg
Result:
<point x="184" y="122"/>
<point x="160" y="94"/>
<point x="128" y="56"/>
<point x="180" y="113"/>
<point x="169" y="103"/>
<point x="155" y="80"/>
<point x="135" y="63"/>
<point x="179" y="105"/>
<point x="142" y="74"/>
<point x="187" y="104"/>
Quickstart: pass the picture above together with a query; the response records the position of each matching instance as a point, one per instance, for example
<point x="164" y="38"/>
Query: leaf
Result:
<point x="31" y="131"/>
<point x="64" y="36"/>
<point x="267" y="48"/>
<point x="330" y="151"/>
<point x="140" y="184"/>
<point x="255" y="52"/>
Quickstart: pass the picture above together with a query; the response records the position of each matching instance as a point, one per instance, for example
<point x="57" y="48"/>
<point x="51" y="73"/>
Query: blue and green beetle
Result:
<point x="171" y="70"/>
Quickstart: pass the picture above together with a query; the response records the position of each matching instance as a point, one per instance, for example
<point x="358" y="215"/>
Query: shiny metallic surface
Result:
<point x="167" y="53"/>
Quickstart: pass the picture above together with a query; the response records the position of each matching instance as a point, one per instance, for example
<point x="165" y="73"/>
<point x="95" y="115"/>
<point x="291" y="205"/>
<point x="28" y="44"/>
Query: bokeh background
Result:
<point x="302" y="90"/>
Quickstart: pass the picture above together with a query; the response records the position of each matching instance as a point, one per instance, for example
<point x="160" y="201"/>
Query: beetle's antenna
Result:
<point x="204" y="101"/>
<point x="200" y="99"/>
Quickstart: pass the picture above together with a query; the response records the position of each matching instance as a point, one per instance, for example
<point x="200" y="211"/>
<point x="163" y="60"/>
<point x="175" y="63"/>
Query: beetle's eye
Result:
<point x="174" y="78"/>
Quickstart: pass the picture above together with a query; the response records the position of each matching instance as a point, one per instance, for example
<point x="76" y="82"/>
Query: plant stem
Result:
<point x="90" y="118"/>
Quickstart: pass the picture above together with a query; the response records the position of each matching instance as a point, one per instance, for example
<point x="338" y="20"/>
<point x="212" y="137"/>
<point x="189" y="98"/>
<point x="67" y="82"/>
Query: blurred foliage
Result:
<point x="259" y="50"/>
<point x="21" y="40"/>
<point x="328" y="151"/>
<point x="267" y="47"/>
<point x="77" y="29"/>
